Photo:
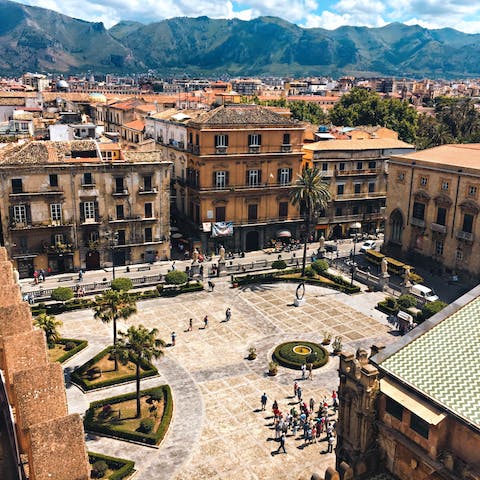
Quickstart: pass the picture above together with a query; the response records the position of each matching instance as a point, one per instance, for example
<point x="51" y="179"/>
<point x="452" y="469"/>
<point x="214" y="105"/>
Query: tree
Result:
<point x="139" y="345"/>
<point x="176" y="277"/>
<point x="62" y="294"/>
<point x="49" y="324"/>
<point x="121" y="284"/>
<point x="111" y="306"/>
<point x="311" y="195"/>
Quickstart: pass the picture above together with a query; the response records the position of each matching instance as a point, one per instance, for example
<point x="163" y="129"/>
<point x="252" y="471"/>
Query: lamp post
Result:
<point x="112" y="237"/>
<point x="356" y="226"/>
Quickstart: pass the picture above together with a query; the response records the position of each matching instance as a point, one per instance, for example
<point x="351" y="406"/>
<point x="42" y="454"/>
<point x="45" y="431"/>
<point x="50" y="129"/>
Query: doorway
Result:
<point x="92" y="260"/>
<point x="251" y="241"/>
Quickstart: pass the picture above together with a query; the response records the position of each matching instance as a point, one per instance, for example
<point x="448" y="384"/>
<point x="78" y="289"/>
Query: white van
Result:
<point x="424" y="293"/>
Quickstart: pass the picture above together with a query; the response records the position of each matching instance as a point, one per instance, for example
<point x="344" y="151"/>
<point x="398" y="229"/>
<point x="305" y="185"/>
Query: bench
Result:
<point x="143" y="269"/>
<point x="66" y="279"/>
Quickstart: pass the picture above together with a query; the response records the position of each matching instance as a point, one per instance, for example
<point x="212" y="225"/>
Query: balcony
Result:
<point x="286" y="148"/>
<point x="136" y="218"/>
<point x="354" y="172"/>
<point x="417" y="222"/>
<point x="55" y="191"/>
<point x="466" y="236"/>
<point x="221" y="150"/>
<point x="48" y="224"/>
<point x="143" y="191"/>
<point x="120" y="193"/>
<point x="244" y="187"/>
<point x="361" y="195"/>
<point x="437" y="227"/>
<point x="253" y="149"/>
<point x="195" y="149"/>
<point x="91" y="221"/>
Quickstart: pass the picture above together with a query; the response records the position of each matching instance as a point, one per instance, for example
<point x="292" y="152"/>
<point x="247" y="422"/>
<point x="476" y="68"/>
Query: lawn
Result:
<point x="65" y="348"/>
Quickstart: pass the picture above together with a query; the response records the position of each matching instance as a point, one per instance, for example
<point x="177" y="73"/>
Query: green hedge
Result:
<point x="385" y="308"/>
<point x="123" y="468"/>
<point x="148" y="370"/>
<point x="174" y="291"/>
<point x="285" y="356"/>
<point x="153" y="438"/>
<point x="81" y="344"/>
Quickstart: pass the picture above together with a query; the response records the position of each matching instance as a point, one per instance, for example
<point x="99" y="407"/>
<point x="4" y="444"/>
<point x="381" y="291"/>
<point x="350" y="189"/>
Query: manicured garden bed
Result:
<point x="116" y="416"/>
<point x="65" y="348"/>
<point x="117" y="468"/>
<point x="99" y="372"/>
<point x="297" y="353"/>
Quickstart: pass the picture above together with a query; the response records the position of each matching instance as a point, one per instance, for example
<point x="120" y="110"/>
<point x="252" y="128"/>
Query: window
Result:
<point x="89" y="210"/>
<point x="284" y="176"/>
<point x="472" y="190"/>
<point x="221" y="140"/>
<point x="341" y="166"/>
<point x="419" y="425"/>
<point x="441" y="216"/>
<point x="17" y="186"/>
<point x="324" y="166"/>
<point x="445" y="185"/>
<point x="93" y="236"/>
<point x="419" y="210"/>
<point x="53" y="178"/>
<point x="120" y="212"/>
<point x="87" y="178"/>
<point x="56" y="212"/>
<point x="147" y="182"/>
<point x="254" y="177"/>
<point x="119" y="188"/>
<point x="394" y="408"/>
<point x="338" y="212"/>
<point x="220" y="179"/>
<point x="359" y="165"/>
<point x="340" y="189"/>
<point x="372" y="165"/>
<point x="148" y="207"/>
<point x="254" y="140"/>
<point x="467" y="223"/>
<point x="423" y="181"/>
<point x="253" y="212"/>
<point x="148" y="234"/>
<point x="357" y="187"/>
<point x="220" y="214"/>
<point x="20" y="213"/>
<point x="459" y="254"/>
<point x="283" y="209"/>
<point x="121" y="237"/>
<point x="286" y="139"/>
<point x="439" y="247"/>
<point x="371" y="187"/>
<point x="401" y="177"/>
<point x="58" y="239"/>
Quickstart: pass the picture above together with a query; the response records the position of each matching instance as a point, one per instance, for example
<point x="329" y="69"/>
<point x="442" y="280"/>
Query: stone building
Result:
<point x="433" y="207"/>
<point x="72" y="205"/>
<point x="357" y="173"/>
<point x="411" y="410"/>
<point x="39" y="440"/>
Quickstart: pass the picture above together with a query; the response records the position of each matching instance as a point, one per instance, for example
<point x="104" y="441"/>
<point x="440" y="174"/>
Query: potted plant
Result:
<point x="337" y="345"/>
<point x="252" y="353"/>
<point x="272" y="368"/>
<point x="327" y="338"/>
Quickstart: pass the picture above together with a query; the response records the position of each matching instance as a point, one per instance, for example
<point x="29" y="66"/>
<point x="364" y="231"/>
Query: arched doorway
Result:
<point x="396" y="226"/>
<point x="92" y="260"/>
<point x="251" y="241"/>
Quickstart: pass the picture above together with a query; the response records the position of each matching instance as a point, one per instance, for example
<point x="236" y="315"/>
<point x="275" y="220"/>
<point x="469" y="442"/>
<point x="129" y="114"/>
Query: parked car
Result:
<point x="426" y="294"/>
<point x="368" y="245"/>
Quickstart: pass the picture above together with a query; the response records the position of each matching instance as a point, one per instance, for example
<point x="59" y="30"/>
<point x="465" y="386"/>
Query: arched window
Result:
<point x="396" y="223"/>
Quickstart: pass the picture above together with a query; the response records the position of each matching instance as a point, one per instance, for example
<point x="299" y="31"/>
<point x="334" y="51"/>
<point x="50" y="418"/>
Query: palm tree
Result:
<point x="311" y="194"/>
<point x="112" y="305"/>
<point x="139" y="345"/>
<point x="49" y="324"/>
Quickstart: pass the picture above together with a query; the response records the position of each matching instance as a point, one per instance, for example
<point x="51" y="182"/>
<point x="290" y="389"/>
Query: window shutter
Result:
<point x="52" y="240"/>
<point x="259" y="177"/>
<point x="11" y="214"/>
<point x="28" y="213"/>
<point x="82" y="212"/>
<point x="247" y="177"/>
<point x="226" y="140"/>
<point x="97" y="216"/>
<point x="290" y="174"/>
<point x="214" y="179"/>
<point x="279" y="175"/>
<point x="249" y="139"/>
<point x="259" y="139"/>
<point x="216" y="140"/>
<point x="227" y="178"/>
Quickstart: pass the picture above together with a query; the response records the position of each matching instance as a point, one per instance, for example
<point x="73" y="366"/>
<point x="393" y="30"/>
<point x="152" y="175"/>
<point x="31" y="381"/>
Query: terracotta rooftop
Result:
<point x="453" y="155"/>
<point x="135" y="125"/>
<point x="367" y="144"/>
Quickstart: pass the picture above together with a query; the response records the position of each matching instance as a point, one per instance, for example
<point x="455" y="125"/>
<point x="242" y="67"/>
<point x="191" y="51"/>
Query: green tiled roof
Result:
<point x="443" y="362"/>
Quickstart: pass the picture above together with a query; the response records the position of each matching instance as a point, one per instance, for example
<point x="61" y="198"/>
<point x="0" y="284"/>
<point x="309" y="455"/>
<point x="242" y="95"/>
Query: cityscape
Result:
<point x="231" y="268"/>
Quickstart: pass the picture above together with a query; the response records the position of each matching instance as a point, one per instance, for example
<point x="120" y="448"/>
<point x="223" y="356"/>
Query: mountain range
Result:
<point x="42" y="40"/>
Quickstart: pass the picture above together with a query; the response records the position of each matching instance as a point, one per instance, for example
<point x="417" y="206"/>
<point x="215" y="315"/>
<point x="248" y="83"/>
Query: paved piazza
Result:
<point x="217" y="430"/>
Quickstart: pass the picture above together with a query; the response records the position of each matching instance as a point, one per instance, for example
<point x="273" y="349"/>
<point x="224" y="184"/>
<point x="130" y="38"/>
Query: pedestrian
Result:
<point x="80" y="275"/>
<point x="173" y="266"/>
<point x="205" y="322"/>
<point x="174" y="336"/>
<point x="304" y="368"/>
<point x="31" y="298"/>
<point x="211" y="286"/>
<point x="331" y="441"/>
<point x="42" y="275"/>
<point x="275" y="405"/>
<point x="312" y="404"/>
<point x="35" y="277"/>
<point x="282" y="444"/>
<point x="295" y="388"/>
<point x="201" y="271"/>
<point x="334" y="400"/>
<point x="299" y="394"/>
<point x="263" y="400"/>
<point x="310" y="371"/>
<point x="190" y="325"/>
<point x="228" y="314"/>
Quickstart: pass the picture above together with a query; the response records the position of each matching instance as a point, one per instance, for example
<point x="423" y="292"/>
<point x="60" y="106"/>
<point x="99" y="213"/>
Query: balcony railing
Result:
<point x="195" y="149"/>
<point x="234" y="188"/>
<point x="221" y="150"/>
<point x="467" y="236"/>
<point x="56" y="191"/>
<point x="353" y="172"/>
<point x="39" y="225"/>
<point x="151" y="191"/>
<point x="120" y="192"/>
<point x="353" y="196"/>
<point x="253" y="149"/>
<point x="286" y="148"/>
<point x="417" y="222"/>
<point x="439" y="228"/>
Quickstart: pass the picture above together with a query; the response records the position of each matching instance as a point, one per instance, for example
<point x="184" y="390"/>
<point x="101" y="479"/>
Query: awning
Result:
<point x="284" y="234"/>
<point x="419" y="407"/>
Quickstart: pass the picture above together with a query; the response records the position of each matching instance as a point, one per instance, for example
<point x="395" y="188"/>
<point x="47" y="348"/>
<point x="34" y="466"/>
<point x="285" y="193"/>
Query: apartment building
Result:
<point x="71" y="205"/>
<point x="433" y="207"/>
<point x="356" y="171"/>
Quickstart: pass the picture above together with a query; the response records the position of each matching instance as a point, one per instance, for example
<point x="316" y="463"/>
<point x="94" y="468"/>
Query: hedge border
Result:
<point x="86" y="385"/>
<point x="149" y="439"/>
<point x="81" y="344"/>
<point x="285" y="362"/>
<point x="125" y="467"/>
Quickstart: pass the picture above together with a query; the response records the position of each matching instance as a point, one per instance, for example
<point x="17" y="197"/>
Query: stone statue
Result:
<point x="222" y="254"/>
<point x="406" y="275"/>
<point x="321" y="244"/>
<point x="195" y="256"/>
<point x="16" y="275"/>
<point x="384" y="266"/>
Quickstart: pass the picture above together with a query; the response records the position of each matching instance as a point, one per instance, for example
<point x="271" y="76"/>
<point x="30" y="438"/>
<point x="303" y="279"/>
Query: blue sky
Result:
<point x="463" y="15"/>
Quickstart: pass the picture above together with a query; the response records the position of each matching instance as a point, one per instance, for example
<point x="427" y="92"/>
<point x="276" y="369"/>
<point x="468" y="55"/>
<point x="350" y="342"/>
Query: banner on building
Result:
<point x="222" y="229"/>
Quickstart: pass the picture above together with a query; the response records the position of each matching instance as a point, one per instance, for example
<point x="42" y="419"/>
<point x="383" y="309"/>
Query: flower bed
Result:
<point x="289" y="354"/>
<point x="120" y="468"/>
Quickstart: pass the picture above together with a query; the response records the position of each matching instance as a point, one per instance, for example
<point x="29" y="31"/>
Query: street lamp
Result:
<point x="356" y="226"/>
<point x="112" y="237"/>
